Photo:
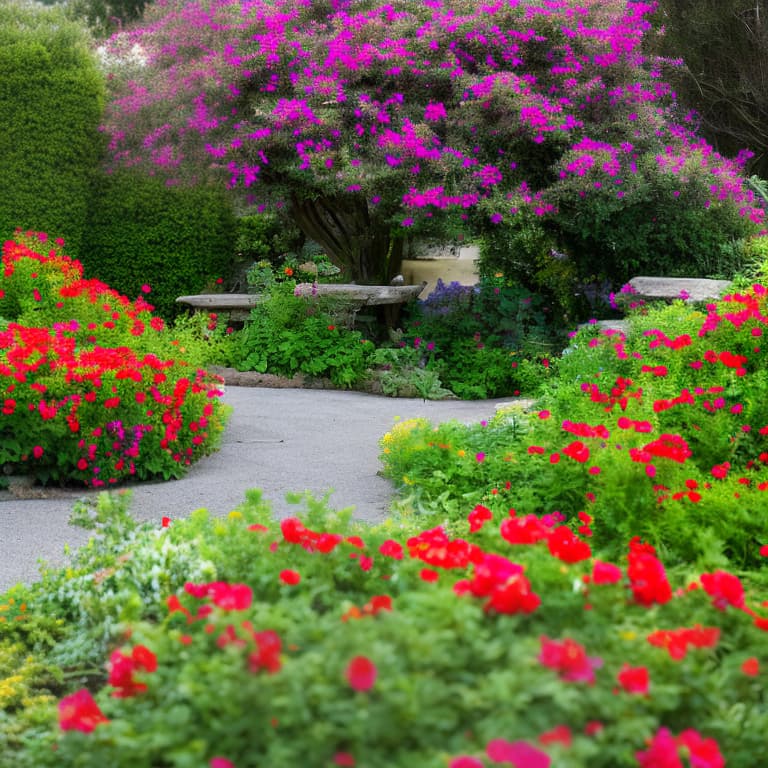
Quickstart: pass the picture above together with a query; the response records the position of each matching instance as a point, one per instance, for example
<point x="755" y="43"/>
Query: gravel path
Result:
<point x="279" y="440"/>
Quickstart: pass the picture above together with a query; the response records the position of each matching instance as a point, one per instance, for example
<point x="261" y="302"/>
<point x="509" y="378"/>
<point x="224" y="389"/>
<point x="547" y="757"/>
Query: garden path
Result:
<point x="279" y="440"/>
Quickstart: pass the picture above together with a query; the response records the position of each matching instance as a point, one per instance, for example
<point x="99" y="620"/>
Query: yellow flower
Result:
<point x="628" y="635"/>
<point x="235" y="515"/>
<point x="461" y="453"/>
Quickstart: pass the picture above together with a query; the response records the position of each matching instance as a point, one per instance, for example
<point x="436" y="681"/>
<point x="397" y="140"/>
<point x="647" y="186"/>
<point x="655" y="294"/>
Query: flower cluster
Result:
<point x="401" y="105"/>
<point x="85" y="395"/>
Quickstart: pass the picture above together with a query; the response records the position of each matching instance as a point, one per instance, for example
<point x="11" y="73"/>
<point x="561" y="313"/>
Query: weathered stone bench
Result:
<point x="690" y="289"/>
<point x="237" y="306"/>
<point x="687" y="289"/>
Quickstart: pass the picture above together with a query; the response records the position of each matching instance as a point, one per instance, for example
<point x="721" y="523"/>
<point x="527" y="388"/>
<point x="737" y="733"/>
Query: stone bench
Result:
<point x="690" y="289"/>
<point x="687" y="289"/>
<point x="238" y="306"/>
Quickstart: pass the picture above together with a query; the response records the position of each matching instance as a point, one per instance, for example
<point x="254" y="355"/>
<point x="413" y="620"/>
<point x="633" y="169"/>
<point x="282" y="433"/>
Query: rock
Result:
<point x="689" y="289"/>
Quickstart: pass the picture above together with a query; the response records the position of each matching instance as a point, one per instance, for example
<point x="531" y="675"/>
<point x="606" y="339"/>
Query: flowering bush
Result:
<point x="364" y="118"/>
<point x="660" y="434"/>
<point x="318" y="642"/>
<point x="89" y="393"/>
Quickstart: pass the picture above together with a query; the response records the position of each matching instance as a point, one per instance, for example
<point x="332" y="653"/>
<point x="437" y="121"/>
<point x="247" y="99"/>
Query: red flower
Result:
<point x="570" y="660"/>
<point x="751" y="667"/>
<point x="566" y="546"/>
<point x="605" y="573"/>
<point x="661" y="752"/>
<point x="724" y="588"/>
<point x="392" y="548"/>
<point x="267" y="653"/>
<point x="577" y="451"/>
<point x="464" y="761"/>
<point x="290" y="577"/>
<point x="346" y="759"/>
<point x="524" y="530"/>
<point x="669" y="446"/>
<point x="79" y="712"/>
<point x="634" y="679"/>
<point x="122" y="668"/>
<point x="647" y="577"/>
<point x="433" y="547"/>
<point x="520" y="753"/>
<point x="478" y="517"/>
<point x="230" y="597"/>
<point x="560" y="734"/>
<point x="361" y="673"/>
<point x="676" y="641"/>
<point x="428" y="575"/>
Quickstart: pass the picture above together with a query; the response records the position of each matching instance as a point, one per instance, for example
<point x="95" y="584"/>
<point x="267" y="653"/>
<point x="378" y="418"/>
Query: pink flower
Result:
<point x="520" y="753"/>
<point x="361" y="673"/>
<point x="569" y="659"/>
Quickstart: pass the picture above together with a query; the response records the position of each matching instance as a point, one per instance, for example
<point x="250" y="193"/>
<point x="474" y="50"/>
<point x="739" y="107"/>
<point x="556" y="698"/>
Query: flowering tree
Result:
<point x="362" y="119"/>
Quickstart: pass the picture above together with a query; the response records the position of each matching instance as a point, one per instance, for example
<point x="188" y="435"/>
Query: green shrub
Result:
<point x="288" y="334"/>
<point x="659" y="226"/>
<point x="51" y="101"/>
<point x="319" y="642"/>
<point x="178" y="239"/>
<point x="475" y="337"/>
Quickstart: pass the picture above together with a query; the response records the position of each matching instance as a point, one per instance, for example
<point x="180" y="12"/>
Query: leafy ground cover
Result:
<point x="577" y="585"/>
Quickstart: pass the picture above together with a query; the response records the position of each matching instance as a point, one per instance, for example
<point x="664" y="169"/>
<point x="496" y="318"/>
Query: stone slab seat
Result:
<point x="239" y="305"/>
<point x="689" y="289"/>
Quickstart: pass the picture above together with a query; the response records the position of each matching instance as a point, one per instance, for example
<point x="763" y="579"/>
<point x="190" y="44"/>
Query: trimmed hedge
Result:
<point x="51" y="101"/>
<point x="176" y="239"/>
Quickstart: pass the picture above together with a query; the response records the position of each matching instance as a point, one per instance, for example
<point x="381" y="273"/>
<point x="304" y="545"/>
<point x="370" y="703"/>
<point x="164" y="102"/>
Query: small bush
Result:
<point x="289" y="334"/>
<point x="475" y="337"/>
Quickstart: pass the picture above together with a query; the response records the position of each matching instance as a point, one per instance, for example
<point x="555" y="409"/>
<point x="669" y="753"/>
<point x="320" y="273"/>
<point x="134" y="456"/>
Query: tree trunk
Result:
<point x="351" y="239"/>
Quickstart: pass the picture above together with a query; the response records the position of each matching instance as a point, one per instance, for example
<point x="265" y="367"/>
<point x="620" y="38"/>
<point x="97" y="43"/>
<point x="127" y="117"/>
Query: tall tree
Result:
<point x="723" y="45"/>
<point x="368" y="119"/>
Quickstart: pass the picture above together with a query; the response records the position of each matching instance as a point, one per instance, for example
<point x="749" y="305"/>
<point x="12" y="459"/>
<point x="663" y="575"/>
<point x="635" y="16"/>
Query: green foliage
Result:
<point x="141" y="231"/>
<point x="476" y="336"/>
<point x="450" y="672"/>
<point x="105" y="17"/>
<point x="658" y="226"/>
<point x="51" y="101"/>
<point x="289" y="334"/>
<point x="263" y="237"/>
<point x="402" y="371"/>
